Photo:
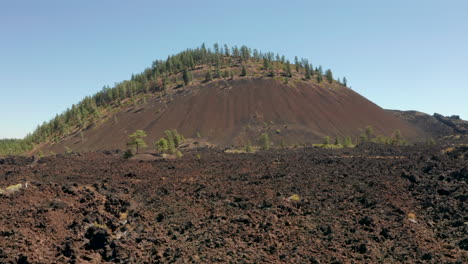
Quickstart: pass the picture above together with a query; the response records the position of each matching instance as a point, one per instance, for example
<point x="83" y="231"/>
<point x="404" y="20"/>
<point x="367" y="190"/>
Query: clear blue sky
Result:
<point x="409" y="55"/>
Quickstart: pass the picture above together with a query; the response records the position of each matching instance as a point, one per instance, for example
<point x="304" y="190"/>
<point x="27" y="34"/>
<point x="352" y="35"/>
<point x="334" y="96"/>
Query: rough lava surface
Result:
<point x="371" y="204"/>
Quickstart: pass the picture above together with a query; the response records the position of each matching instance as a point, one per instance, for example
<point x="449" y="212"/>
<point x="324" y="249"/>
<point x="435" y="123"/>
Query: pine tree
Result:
<point x="266" y="64"/>
<point x="296" y="62"/>
<point x="329" y="75"/>
<point x="319" y="78"/>
<point x="208" y="76"/>
<point x="308" y="76"/>
<point x="137" y="140"/>
<point x="217" y="72"/>
<point x="345" y="81"/>
<point x="162" y="145"/>
<point x="287" y="69"/>
<point x="244" y="71"/>
<point x="186" y="75"/>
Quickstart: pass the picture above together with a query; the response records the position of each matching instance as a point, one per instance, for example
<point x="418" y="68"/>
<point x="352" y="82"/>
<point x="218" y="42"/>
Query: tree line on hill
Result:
<point x="157" y="78"/>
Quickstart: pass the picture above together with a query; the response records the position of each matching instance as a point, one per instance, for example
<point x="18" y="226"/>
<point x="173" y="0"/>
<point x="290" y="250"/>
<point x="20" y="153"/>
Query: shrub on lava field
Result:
<point x="348" y="142"/>
<point x="248" y="147"/>
<point x="265" y="141"/>
<point x="128" y="154"/>
<point x="430" y="142"/>
<point x="170" y="142"/>
<point x="162" y="145"/>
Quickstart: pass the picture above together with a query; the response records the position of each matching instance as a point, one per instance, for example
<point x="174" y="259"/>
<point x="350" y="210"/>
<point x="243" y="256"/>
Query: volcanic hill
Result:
<point x="223" y="99"/>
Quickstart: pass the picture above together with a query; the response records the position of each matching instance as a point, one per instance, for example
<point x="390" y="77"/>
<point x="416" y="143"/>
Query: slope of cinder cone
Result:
<point x="234" y="112"/>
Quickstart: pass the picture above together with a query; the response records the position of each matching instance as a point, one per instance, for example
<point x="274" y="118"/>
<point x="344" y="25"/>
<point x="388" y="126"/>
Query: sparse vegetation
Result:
<point x="248" y="147"/>
<point x="170" y="142"/>
<point x="136" y="140"/>
<point x="162" y="145"/>
<point x="162" y="75"/>
<point x="265" y="141"/>
<point x="430" y="141"/>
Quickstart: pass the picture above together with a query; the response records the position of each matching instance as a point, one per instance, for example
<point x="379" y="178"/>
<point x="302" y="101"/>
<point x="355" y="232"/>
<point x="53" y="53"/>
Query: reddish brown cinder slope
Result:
<point x="233" y="112"/>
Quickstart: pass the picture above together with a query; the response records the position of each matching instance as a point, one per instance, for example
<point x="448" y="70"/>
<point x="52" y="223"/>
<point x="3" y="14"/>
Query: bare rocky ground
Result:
<point x="371" y="204"/>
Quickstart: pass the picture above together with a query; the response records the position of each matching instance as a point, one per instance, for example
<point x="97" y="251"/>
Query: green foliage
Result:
<point x="208" y="76"/>
<point x="363" y="138"/>
<point x="179" y="154"/>
<point x="297" y="64"/>
<point x="347" y="142"/>
<point x="68" y="150"/>
<point x="430" y="141"/>
<point x="397" y="139"/>
<point x="345" y="81"/>
<point x="266" y="64"/>
<point x="265" y="141"/>
<point x="369" y="130"/>
<point x="243" y="71"/>
<point x="307" y="74"/>
<point x="159" y="77"/>
<point x="248" y="147"/>
<point x="282" y="143"/>
<point x="217" y="72"/>
<point x="329" y="75"/>
<point x="162" y="145"/>
<point x="170" y="142"/>
<point x="326" y="140"/>
<point x="128" y="154"/>
<point x="187" y="76"/>
<point x="15" y="146"/>
<point x="319" y="78"/>
<point x="136" y="140"/>
<point x="287" y="70"/>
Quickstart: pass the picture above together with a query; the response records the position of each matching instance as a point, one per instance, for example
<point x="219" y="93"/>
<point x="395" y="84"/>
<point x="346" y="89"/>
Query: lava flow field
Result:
<point x="372" y="204"/>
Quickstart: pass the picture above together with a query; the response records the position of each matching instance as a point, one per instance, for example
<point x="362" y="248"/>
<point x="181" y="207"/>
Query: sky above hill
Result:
<point x="407" y="55"/>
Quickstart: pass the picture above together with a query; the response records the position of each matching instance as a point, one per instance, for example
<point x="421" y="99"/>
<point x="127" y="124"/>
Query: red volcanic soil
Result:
<point x="373" y="205"/>
<point x="233" y="112"/>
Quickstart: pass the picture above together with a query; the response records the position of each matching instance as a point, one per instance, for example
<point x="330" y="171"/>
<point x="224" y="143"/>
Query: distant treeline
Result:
<point x="14" y="146"/>
<point x="161" y="75"/>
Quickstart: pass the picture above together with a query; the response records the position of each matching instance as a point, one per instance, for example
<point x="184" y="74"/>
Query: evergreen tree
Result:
<point x="217" y="72"/>
<point x="345" y="81"/>
<point x="266" y="64"/>
<point x="208" y="76"/>
<point x="319" y="78"/>
<point x="308" y="76"/>
<point x="287" y="69"/>
<point x="162" y="145"/>
<point x="137" y="140"/>
<point x="243" y="71"/>
<point x="296" y="63"/>
<point x="329" y="75"/>
<point x="369" y="130"/>
<point x="319" y="70"/>
<point x="186" y="75"/>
